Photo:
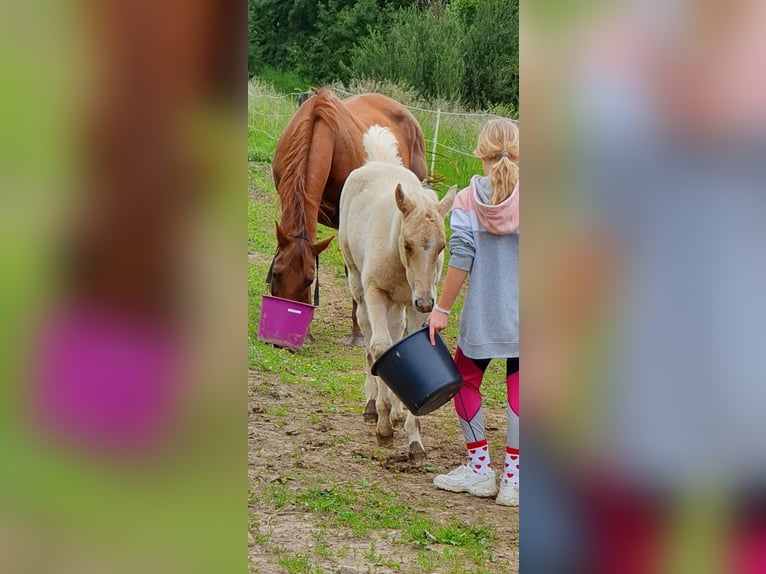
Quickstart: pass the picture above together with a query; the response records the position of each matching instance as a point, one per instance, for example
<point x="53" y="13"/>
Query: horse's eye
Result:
<point x="308" y="282"/>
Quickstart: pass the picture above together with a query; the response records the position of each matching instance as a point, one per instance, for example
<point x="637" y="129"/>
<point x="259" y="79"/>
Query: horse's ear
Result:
<point x="322" y="245"/>
<point x="446" y="203"/>
<point x="403" y="202"/>
<point x="281" y="237"/>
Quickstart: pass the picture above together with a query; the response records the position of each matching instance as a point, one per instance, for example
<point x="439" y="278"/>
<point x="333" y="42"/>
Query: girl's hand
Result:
<point x="437" y="322"/>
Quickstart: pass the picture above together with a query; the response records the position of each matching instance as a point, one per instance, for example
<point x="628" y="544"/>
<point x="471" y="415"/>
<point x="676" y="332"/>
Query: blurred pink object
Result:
<point x="104" y="383"/>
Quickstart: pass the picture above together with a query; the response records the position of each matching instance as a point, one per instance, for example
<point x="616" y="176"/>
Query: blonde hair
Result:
<point x="499" y="144"/>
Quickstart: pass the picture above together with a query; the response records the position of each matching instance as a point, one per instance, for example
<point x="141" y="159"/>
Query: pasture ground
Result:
<point x="323" y="497"/>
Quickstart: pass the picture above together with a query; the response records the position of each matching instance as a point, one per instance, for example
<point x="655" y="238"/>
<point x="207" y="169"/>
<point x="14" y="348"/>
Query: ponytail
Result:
<point x="504" y="175"/>
<point x="499" y="143"/>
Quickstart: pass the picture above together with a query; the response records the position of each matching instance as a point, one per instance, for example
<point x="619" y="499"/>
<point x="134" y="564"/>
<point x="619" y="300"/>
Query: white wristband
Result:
<point x="437" y="308"/>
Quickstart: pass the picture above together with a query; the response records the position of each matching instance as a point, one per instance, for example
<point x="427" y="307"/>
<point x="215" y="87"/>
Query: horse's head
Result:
<point x="421" y="244"/>
<point x="294" y="267"/>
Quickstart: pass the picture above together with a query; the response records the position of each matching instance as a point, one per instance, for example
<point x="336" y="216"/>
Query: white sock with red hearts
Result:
<point x="511" y="467"/>
<point x="478" y="457"/>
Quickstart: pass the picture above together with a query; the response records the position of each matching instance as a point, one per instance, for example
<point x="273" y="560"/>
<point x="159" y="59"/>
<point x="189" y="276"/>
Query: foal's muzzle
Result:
<point x="424" y="304"/>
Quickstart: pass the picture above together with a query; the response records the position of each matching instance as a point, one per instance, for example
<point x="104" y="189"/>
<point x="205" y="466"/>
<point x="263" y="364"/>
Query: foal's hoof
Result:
<point x="354" y="340"/>
<point x="398" y="418"/>
<point x="370" y="412"/>
<point x="387" y="441"/>
<point x="417" y="454"/>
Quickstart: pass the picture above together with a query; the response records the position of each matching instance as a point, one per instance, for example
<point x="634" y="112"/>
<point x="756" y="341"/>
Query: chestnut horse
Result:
<point x="318" y="149"/>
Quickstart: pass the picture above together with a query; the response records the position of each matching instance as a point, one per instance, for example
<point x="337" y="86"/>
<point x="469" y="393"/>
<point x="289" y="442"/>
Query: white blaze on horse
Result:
<point x="392" y="238"/>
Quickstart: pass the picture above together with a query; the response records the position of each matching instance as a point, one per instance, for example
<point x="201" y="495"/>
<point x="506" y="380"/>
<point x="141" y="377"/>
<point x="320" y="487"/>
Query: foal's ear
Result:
<point x="446" y="203"/>
<point x="282" y="239"/>
<point x="403" y="202"/>
<point x="322" y="245"/>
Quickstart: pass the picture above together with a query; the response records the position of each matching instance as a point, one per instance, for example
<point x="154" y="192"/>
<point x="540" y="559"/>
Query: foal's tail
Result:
<point x="381" y="145"/>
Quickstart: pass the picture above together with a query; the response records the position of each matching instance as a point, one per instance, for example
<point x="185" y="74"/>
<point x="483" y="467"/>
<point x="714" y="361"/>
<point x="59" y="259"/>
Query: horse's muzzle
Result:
<point x="424" y="304"/>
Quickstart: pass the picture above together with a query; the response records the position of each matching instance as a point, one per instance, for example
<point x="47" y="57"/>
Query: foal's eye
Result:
<point x="408" y="247"/>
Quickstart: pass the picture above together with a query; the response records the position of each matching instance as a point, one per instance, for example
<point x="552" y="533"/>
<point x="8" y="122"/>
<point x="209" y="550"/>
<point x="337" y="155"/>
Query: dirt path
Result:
<point x="308" y="446"/>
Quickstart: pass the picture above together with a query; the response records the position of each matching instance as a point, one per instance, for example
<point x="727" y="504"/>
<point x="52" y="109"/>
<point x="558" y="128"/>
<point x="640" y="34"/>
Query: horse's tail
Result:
<point x="381" y="145"/>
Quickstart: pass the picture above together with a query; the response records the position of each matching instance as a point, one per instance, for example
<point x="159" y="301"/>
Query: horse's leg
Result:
<point x="412" y="428"/>
<point x="377" y="305"/>
<point x="370" y="393"/>
<point x="411" y="424"/>
<point x="396" y="329"/>
<point x="370" y="382"/>
<point x="360" y="314"/>
<point x="415" y="319"/>
<point x="356" y="338"/>
<point x="384" y="431"/>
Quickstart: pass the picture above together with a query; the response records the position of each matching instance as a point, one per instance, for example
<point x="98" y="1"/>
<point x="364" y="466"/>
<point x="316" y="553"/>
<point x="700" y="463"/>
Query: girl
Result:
<point x="485" y="244"/>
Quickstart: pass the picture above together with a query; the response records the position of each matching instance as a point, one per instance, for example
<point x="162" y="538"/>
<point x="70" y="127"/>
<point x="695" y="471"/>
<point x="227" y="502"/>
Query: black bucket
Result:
<point x="423" y="376"/>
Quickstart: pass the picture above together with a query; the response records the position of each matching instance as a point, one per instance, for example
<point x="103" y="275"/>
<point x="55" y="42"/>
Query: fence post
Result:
<point x="436" y="140"/>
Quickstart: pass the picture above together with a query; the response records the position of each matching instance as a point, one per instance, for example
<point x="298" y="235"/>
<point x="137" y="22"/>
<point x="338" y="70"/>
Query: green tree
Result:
<point x="492" y="55"/>
<point x="421" y="49"/>
<point x="339" y="26"/>
<point x="454" y="49"/>
<point x="277" y="31"/>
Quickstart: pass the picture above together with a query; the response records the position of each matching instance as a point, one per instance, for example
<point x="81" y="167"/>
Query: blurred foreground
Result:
<point x="643" y="287"/>
<point x="122" y="345"/>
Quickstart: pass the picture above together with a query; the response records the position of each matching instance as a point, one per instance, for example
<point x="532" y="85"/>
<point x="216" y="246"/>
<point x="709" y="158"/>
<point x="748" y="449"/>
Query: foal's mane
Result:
<point x="296" y="202"/>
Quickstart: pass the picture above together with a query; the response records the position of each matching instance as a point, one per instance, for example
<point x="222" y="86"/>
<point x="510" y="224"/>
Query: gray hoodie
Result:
<point x="482" y="244"/>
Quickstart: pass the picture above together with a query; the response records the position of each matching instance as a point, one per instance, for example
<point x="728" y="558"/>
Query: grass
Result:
<point x="365" y="511"/>
<point x="298" y="563"/>
<point x="276" y="495"/>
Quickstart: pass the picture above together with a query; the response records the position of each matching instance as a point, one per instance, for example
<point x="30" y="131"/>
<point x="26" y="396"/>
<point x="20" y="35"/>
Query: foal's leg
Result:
<point x="396" y="322"/>
<point x="412" y="428"/>
<point x="377" y="304"/>
<point x="356" y="338"/>
<point x="370" y="382"/>
<point x="396" y="330"/>
<point x="360" y="314"/>
<point x="415" y="319"/>
<point x="417" y="453"/>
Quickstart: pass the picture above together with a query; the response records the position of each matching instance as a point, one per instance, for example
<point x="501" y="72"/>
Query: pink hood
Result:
<point x="500" y="219"/>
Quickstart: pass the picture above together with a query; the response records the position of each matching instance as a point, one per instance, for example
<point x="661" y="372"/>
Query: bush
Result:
<point x="464" y="50"/>
<point x="492" y="55"/>
<point x="421" y="49"/>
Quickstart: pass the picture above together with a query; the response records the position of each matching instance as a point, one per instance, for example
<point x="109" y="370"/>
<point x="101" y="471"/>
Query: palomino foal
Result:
<point x="392" y="238"/>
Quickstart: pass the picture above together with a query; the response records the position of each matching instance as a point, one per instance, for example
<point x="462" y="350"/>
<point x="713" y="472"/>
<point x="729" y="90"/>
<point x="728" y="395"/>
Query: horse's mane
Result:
<point x="292" y="189"/>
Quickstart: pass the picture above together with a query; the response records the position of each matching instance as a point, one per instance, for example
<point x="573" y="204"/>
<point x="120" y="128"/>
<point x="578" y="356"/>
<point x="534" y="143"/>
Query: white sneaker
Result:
<point x="508" y="495"/>
<point x="464" y="479"/>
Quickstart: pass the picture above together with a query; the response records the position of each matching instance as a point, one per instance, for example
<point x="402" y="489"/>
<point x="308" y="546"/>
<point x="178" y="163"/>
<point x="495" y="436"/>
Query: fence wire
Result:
<point x="266" y="116"/>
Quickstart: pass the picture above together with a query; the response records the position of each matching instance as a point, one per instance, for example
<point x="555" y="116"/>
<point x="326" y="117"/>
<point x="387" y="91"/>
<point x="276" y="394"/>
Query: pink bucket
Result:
<point x="284" y="322"/>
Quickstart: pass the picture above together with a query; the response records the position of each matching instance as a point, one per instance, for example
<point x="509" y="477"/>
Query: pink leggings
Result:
<point x="468" y="401"/>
